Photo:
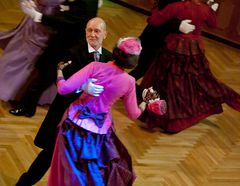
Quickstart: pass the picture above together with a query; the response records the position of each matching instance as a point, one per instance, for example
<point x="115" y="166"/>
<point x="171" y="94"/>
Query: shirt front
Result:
<point x="91" y="49"/>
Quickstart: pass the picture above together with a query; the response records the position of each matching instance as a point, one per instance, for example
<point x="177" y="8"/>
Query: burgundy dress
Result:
<point x="22" y="47"/>
<point x="181" y="73"/>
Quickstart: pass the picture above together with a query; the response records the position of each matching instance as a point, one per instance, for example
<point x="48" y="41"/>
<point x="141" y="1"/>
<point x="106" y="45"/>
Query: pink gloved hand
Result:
<point x="157" y="106"/>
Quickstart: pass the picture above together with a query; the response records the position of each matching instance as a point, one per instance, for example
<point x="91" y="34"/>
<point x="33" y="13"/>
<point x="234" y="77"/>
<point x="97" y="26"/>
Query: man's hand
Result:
<point x="92" y="89"/>
<point x="64" y="8"/>
<point x="100" y="3"/>
<point x="185" y="26"/>
<point x="214" y="6"/>
<point x="28" y="7"/>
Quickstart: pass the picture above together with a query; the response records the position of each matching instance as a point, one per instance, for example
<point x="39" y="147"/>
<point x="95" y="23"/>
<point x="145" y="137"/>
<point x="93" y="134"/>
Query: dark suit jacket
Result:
<point x="80" y="57"/>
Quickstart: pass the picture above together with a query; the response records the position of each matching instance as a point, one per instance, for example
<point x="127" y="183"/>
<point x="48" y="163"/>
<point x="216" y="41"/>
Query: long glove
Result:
<point x="28" y="7"/>
<point x="91" y="88"/>
<point x="185" y="26"/>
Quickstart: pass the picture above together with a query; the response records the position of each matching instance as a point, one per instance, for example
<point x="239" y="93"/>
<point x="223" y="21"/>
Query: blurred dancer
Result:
<point x="180" y="72"/>
<point x="69" y="23"/>
<point x="22" y="47"/>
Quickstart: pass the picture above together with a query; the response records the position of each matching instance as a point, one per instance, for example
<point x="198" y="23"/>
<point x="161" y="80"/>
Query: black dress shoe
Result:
<point x="20" y="112"/>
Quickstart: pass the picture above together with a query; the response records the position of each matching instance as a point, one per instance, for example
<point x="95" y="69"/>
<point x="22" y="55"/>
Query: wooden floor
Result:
<point x="207" y="154"/>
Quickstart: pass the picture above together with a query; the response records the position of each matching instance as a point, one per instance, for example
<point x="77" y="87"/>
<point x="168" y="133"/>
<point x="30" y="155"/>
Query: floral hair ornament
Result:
<point x="130" y="45"/>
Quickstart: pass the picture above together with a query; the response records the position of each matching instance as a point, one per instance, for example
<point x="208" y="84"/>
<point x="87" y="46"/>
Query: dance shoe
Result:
<point x="20" y="112"/>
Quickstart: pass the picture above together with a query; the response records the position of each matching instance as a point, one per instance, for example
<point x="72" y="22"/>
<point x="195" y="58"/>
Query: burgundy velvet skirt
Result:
<point x="190" y="89"/>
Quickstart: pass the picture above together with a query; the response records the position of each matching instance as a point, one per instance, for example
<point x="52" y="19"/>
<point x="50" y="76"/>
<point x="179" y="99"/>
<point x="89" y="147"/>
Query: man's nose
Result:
<point x="92" y="33"/>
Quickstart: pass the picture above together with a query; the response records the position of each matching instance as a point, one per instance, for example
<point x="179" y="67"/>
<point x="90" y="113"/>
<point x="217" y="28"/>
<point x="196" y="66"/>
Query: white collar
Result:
<point x="91" y="49"/>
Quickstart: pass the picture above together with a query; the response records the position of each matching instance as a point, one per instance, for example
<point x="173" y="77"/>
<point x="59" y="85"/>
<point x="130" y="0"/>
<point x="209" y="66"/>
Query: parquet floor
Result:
<point x="207" y="154"/>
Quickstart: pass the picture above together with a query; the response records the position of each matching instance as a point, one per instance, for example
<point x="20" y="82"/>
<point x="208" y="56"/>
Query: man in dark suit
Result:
<point x="80" y="56"/>
<point x="68" y="24"/>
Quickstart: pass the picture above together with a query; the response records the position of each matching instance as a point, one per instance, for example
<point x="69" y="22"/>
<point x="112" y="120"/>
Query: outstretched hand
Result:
<point x="62" y="65"/>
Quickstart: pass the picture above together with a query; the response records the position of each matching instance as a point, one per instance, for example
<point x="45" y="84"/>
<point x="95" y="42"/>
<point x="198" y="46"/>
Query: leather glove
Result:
<point x="185" y="26"/>
<point x="157" y="106"/>
<point x="28" y="7"/>
<point x="91" y="88"/>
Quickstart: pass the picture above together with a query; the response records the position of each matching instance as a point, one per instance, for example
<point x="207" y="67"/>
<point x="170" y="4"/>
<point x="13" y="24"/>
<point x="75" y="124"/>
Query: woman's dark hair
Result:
<point x="124" y="60"/>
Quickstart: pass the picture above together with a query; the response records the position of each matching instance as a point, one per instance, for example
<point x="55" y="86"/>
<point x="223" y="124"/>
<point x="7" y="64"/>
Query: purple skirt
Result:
<point x="83" y="158"/>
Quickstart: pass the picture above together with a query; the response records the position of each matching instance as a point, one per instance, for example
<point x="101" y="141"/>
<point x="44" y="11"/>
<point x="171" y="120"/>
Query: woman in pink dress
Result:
<point x="22" y="46"/>
<point x="87" y="151"/>
<point x="180" y="72"/>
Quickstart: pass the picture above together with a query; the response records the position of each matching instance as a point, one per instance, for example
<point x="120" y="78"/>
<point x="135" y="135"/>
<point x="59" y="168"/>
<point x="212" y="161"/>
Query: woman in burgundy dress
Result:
<point x="180" y="72"/>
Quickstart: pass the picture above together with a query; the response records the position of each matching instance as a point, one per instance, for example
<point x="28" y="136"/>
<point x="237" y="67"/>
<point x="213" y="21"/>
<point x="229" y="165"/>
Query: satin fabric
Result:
<point x="22" y="46"/>
<point x="83" y="158"/>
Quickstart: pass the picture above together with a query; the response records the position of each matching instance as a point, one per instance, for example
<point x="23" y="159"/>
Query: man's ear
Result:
<point x="105" y="35"/>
